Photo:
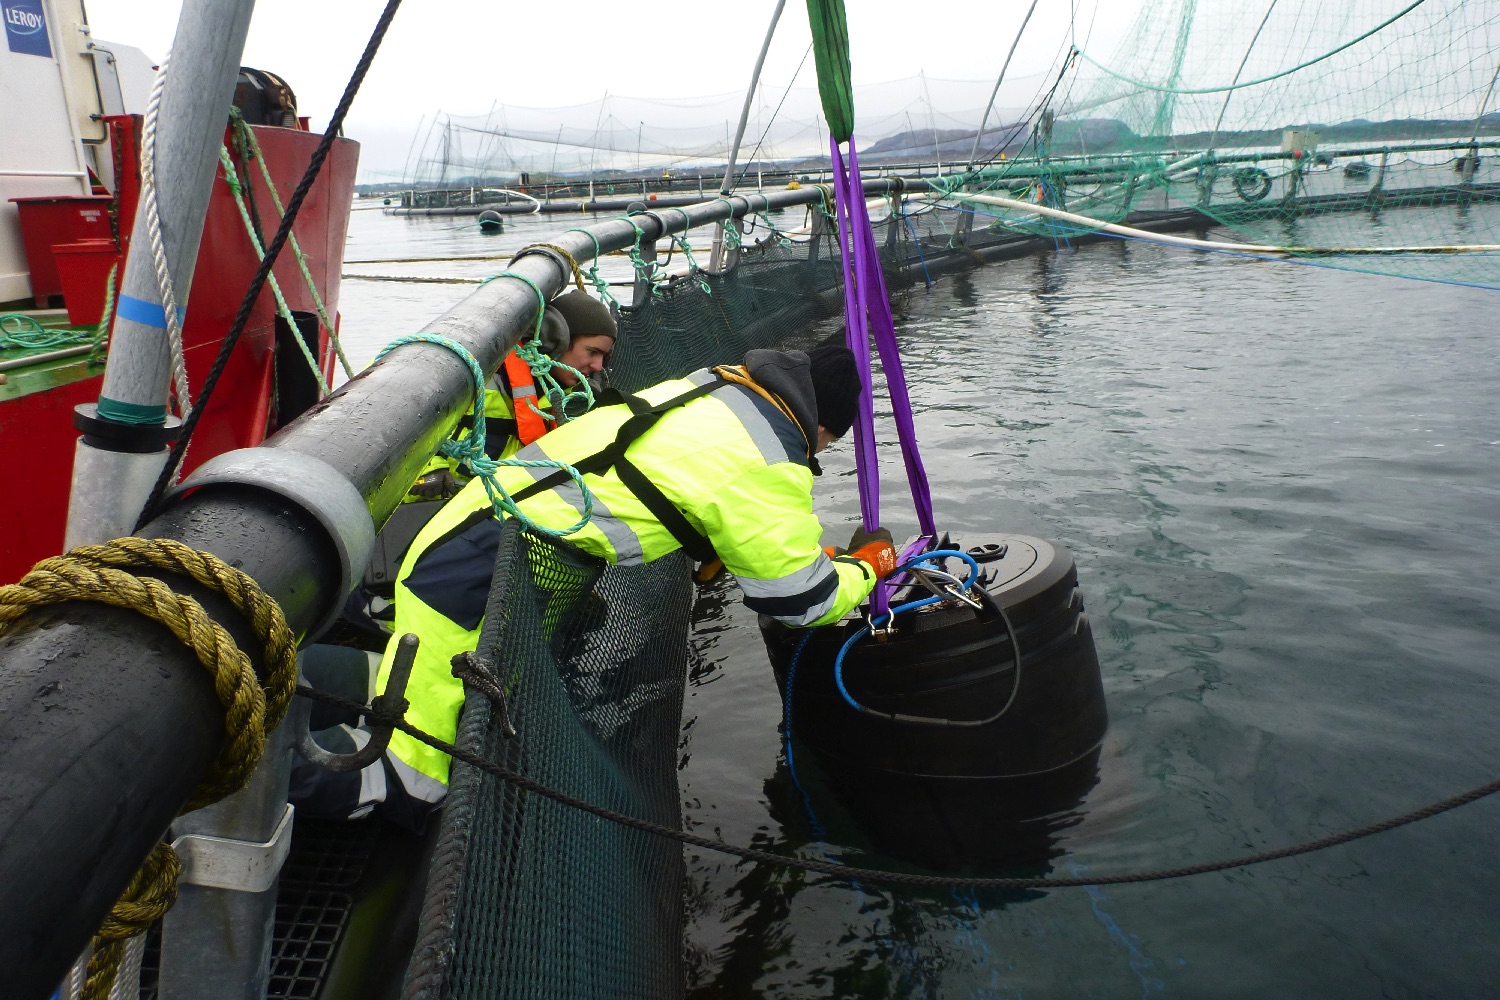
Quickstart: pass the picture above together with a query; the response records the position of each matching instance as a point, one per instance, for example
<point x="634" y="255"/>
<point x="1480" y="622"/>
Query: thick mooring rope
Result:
<point x="103" y="574"/>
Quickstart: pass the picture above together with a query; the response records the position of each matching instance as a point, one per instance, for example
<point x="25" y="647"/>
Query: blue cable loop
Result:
<point x="791" y="762"/>
<point x="838" y="663"/>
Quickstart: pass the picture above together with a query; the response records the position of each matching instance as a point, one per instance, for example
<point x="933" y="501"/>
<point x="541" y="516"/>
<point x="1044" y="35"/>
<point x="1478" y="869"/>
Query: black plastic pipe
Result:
<point x="108" y="723"/>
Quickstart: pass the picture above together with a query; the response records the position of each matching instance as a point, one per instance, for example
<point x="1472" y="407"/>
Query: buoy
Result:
<point x="490" y="221"/>
<point x="941" y="697"/>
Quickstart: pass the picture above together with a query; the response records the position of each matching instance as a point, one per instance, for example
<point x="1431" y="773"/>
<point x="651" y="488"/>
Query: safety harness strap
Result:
<point x="644" y="416"/>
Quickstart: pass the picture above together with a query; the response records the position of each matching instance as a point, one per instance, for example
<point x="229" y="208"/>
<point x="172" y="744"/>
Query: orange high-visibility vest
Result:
<point x="523" y="396"/>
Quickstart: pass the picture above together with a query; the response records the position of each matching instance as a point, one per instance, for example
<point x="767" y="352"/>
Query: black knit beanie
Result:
<point x="836" y="386"/>
<point x="586" y="315"/>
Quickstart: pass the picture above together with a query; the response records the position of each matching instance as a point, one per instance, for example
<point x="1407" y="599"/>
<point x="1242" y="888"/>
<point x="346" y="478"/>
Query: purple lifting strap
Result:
<point x="867" y="312"/>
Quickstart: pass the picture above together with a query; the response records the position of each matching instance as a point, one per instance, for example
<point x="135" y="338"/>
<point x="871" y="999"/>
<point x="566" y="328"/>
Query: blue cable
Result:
<point x="838" y="663"/>
<point x="786" y="717"/>
<point x="917" y="242"/>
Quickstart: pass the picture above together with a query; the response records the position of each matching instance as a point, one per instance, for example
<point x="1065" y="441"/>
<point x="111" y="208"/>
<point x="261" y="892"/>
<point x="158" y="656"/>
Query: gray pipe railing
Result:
<point x="110" y="722"/>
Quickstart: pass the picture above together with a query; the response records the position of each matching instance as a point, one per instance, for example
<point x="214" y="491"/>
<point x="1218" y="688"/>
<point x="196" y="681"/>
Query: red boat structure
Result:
<point x="67" y="207"/>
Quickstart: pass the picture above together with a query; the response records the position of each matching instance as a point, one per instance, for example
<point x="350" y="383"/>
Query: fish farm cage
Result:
<point x="512" y="894"/>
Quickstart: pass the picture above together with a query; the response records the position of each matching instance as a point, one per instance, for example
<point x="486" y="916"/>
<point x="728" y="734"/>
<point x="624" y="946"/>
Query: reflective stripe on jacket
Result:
<point x="732" y="462"/>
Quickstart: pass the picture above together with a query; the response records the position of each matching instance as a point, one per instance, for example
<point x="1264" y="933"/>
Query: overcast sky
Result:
<point x="463" y="56"/>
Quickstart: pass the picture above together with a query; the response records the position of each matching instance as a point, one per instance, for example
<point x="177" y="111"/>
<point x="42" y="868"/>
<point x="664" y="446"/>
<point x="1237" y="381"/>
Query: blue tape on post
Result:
<point x="145" y="313"/>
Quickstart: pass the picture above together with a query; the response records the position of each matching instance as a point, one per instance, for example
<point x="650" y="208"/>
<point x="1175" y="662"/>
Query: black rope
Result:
<point x="283" y="232"/>
<point x="877" y="875"/>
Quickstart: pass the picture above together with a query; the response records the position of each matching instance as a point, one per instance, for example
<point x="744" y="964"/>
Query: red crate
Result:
<point x="46" y="222"/>
<point x="83" y="268"/>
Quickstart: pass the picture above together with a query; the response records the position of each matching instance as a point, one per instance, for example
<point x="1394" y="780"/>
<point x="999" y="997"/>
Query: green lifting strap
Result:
<point x="830" y="31"/>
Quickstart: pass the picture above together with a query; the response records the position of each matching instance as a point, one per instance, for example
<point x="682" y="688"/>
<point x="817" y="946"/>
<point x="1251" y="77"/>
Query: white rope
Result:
<point x="158" y="251"/>
<point x="1183" y="241"/>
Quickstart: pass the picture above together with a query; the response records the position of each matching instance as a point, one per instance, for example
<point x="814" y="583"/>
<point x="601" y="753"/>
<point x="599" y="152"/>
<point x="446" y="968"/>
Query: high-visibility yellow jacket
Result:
<point x="736" y="463"/>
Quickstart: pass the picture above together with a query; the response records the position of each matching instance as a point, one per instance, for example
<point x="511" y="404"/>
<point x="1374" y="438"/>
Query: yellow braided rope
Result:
<point x="101" y="573"/>
<point x="148" y="897"/>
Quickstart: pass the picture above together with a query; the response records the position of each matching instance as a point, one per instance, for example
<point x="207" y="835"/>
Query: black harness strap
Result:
<point x="643" y="416"/>
<point x="699" y="548"/>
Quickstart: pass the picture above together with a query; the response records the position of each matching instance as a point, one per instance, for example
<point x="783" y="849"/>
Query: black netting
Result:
<point x="782" y="284"/>
<point x="776" y="289"/>
<point x="530" y="898"/>
<point x="766" y="300"/>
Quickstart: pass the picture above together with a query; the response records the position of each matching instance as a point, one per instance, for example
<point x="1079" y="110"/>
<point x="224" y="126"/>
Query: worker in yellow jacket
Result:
<point x="719" y="464"/>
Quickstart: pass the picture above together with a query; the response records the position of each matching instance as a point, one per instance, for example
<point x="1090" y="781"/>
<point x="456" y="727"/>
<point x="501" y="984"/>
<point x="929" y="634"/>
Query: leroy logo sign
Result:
<point x="26" y="27"/>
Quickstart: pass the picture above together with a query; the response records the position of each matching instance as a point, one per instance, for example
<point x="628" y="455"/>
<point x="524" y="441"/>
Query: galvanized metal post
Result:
<point x="1377" y="190"/>
<point x="124" y="443"/>
<point x="644" y="273"/>
<point x="716" y="262"/>
<point x="216" y="939"/>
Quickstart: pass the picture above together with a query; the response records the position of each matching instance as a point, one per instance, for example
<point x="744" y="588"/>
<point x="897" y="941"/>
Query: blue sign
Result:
<point x="26" y="27"/>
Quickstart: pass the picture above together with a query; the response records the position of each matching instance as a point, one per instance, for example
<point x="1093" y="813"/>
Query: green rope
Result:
<point x="542" y="364"/>
<point x="247" y="136"/>
<point x="470" y="449"/>
<point x="595" y="278"/>
<point x="1250" y="83"/>
<point x="781" y="238"/>
<point x="20" y="332"/>
<point x="645" y="270"/>
<point x="732" y="237"/>
<point x="231" y="175"/>
<point x="101" y="332"/>
<point x="680" y="241"/>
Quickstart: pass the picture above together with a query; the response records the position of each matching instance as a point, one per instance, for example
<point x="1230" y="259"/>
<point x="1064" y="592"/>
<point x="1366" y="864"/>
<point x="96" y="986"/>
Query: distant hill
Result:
<point x="1070" y="136"/>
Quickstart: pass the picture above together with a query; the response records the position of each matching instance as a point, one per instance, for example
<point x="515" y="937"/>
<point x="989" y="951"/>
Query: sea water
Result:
<point x="1281" y="484"/>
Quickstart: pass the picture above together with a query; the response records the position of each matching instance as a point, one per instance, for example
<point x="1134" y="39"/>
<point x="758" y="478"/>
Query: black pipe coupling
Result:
<point x="316" y="487"/>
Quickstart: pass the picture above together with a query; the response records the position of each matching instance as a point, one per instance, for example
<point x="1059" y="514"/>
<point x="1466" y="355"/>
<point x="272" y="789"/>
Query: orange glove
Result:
<point x="876" y="549"/>
<point x="708" y="572"/>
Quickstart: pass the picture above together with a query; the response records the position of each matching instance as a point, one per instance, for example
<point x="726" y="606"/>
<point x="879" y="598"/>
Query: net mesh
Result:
<point x="1360" y="134"/>
<point x="528" y="897"/>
